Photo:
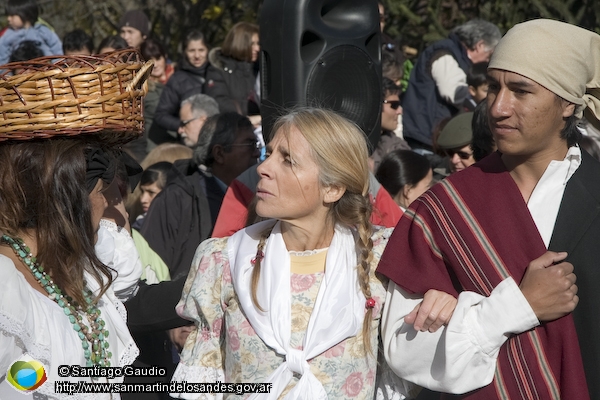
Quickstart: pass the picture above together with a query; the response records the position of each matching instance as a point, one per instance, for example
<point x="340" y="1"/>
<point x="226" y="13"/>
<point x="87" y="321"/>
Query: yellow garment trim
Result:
<point x="308" y="264"/>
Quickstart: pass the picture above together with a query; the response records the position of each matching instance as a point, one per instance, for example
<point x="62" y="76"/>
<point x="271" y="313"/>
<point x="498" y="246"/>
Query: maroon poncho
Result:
<point x="470" y="232"/>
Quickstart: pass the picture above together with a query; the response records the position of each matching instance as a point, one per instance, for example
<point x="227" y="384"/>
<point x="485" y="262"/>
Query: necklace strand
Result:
<point x="95" y="340"/>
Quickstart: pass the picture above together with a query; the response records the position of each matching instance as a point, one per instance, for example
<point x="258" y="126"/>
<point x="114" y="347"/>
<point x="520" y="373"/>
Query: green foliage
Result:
<point x="417" y="23"/>
<point x="413" y="22"/>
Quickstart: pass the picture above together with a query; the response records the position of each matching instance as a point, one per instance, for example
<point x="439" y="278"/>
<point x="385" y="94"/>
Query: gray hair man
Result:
<point x="438" y="83"/>
<point x="193" y="114"/>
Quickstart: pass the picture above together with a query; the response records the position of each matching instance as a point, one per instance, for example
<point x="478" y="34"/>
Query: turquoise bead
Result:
<point x="100" y="355"/>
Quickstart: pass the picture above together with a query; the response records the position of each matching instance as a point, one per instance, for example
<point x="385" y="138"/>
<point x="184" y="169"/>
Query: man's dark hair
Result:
<point x="77" y="40"/>
<point x="570" y="132"/>
<point x="27" y="10"/>
<point x="220" y="129"/>
<point x="390" y="88"/>
<point x="116" y="42"/>
<point x="26" y="50"/>
<point x="151" y="48"/>
<point x="477" y="74"/>
<point x="482" y="143"/>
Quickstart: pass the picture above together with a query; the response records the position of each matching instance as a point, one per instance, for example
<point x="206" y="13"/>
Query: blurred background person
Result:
<point x="194" y="112"/>
<point x="437" y="86"/>
<point x="455" y="142"/>
<point x="184" y="212"/>
<point x="23" y="25"/>
<point x="390" y="110"/>
<point x="232" y="81"/>
<point x="134" y="27"/>
<point x="111" y="43"/>
<point x="78" y="43"/>
<point x="188" y="79"/>
<point x="478" y="85"/>
<point x="405" y="175"/>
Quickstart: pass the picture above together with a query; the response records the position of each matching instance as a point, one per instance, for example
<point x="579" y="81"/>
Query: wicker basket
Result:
<point x="48" y="97"/>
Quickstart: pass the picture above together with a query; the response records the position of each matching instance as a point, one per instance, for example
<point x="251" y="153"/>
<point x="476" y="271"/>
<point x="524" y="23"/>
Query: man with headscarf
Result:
<point x="507" y="233"/>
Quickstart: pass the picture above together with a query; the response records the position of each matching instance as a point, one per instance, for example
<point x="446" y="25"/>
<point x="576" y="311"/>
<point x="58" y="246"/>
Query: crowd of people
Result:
<point x="457" y="256"/>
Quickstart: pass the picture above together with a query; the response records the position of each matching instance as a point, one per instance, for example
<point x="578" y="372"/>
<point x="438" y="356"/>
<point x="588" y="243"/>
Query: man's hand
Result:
<point x="434" y="311"/>
<point x="549" y="286"/>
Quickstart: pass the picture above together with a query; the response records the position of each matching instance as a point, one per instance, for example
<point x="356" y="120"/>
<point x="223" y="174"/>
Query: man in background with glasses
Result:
<point x="193" y="114"/>
<point x="183" y="214"/>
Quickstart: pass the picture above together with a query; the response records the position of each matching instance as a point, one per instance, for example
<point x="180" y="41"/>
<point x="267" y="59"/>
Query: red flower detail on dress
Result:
<point x="217" y="325"/>
<point x="233" y="339"/>
<point x="247" y="329"/>
<point x="226" y="274"/>
<point x="353" y="384"/>
<point x="335" y="351"/>
<point x="301" y="282"/>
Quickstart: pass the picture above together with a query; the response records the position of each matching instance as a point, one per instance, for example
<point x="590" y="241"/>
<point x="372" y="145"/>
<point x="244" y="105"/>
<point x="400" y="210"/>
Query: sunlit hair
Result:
<point x="339" y="148"/>
<point x="238" y="42"/>
<point x="43" y="192"/>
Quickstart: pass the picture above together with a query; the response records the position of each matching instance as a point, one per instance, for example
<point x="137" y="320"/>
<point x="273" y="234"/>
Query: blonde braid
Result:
<point x="257" y="263"/>
<point x="354" y="210"/>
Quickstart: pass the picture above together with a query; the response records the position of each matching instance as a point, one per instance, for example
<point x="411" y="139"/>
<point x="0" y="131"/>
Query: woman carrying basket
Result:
<point x="57" y="305"/>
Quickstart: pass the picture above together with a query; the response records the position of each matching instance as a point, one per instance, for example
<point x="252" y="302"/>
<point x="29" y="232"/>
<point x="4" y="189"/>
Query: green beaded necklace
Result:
<point x="97" y="337"/>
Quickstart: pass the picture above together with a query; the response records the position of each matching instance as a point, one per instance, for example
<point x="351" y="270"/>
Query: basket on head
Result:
<point x="74" y="95"/>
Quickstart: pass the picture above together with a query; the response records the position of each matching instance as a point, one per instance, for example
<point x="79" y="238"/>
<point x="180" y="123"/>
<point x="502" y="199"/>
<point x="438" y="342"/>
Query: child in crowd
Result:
<point x="152" y="182"/>
<point x="478" y="86"/>
<point x="24" y="25"/>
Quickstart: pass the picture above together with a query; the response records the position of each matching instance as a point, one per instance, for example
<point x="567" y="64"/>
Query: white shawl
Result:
<point x="338" y="312"/>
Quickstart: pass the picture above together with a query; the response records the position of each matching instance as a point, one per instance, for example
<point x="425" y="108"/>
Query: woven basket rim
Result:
<point x="70" y="95"/>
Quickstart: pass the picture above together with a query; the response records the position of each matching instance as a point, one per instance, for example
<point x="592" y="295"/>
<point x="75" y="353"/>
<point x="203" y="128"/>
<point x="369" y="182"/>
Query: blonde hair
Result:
<point x="339" y="148"/>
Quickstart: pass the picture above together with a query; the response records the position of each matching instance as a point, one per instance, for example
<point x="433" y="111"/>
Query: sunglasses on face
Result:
<point x="393" y="103"/>
<point x="463" y="155"/>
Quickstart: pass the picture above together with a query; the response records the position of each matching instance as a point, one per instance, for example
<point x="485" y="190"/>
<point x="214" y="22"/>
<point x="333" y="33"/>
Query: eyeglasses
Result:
<point x="184" y="123"/>
<point x="463" y="155"/>
<point x="393" y="103"/>
<point x="254" y="144"/>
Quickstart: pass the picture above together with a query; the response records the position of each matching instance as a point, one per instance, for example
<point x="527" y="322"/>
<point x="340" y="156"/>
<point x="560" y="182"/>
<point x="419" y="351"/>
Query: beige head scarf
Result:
<point x="563" y="58"/>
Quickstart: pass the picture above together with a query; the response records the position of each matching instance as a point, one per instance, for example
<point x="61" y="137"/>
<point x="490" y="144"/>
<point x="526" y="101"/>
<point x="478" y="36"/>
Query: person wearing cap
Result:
<point x="508" y="236"/>
<point x="455" y="142"/>
<point x="134" y="27"/>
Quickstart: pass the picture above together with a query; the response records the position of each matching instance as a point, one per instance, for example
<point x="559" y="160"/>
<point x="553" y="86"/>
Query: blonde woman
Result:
<point x="294" y="301"/>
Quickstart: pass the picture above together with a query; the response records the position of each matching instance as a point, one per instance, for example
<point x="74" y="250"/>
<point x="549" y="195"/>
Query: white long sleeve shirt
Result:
<point x="462" y="356"/>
